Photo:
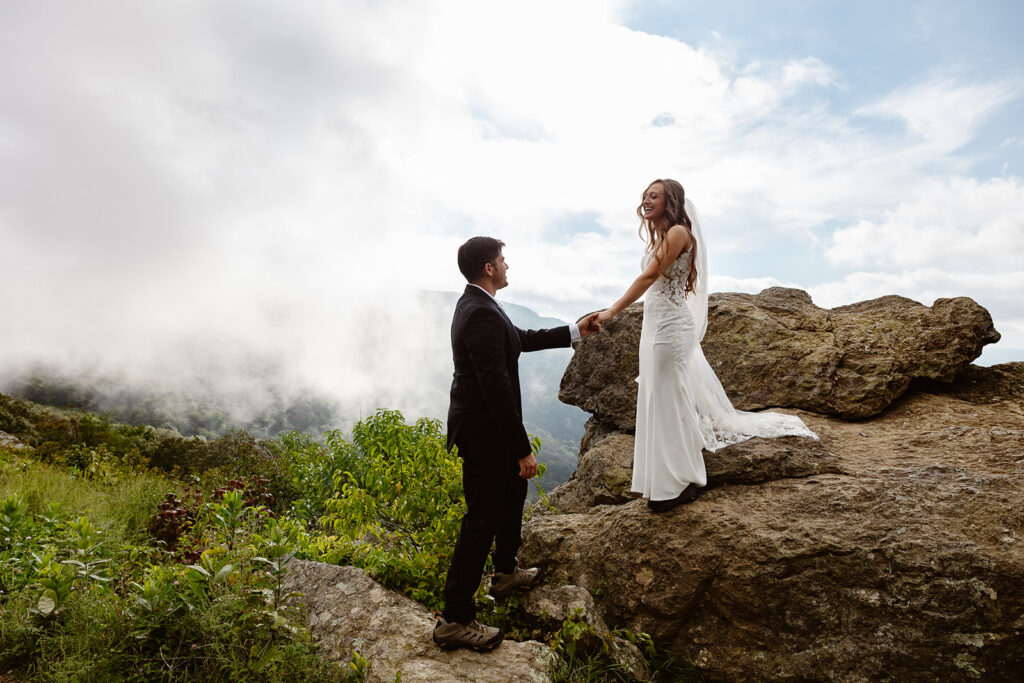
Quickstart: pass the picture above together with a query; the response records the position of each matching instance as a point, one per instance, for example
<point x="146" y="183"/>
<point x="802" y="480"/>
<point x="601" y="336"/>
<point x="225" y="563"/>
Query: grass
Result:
<point x="120" y="506"/>
<point x="99" y="632"/>
<point x="87" y="594"/>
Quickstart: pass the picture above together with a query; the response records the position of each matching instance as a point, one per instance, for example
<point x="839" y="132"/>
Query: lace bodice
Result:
<point x="671" y="285"/>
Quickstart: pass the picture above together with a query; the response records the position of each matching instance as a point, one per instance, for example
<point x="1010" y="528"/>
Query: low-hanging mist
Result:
<point x="393" y="354"/>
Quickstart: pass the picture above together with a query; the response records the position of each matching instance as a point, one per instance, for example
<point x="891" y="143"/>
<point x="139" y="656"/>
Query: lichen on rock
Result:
<point x="891" y="549"/>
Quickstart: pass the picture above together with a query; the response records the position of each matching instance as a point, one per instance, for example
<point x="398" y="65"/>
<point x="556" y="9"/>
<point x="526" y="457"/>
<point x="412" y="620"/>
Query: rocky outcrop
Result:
<point x="599" y="378"/>
<point x="602" y="477"/>
<point x="10" y="441"/>
<point x="348" y="611"/>
<point x="891" y="549"/>
<point x="549" y="607"/>
<point x="604" y="473"/>
<point x="778" y="349"/>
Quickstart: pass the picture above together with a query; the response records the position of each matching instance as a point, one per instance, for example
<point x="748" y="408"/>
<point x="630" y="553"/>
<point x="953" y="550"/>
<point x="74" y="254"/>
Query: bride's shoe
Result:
<point x="689" y="493"/>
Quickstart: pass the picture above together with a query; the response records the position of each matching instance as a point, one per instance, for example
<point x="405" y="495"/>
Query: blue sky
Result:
<point x="875" y="50"/>
<point x="258" y="173"/>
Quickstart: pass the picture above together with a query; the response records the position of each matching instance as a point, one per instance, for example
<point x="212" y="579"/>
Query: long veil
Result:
<point x="720" y="423"/>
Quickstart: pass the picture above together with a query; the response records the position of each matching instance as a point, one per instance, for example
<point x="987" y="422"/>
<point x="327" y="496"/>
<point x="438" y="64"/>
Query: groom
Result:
<point x="485" y="421"/>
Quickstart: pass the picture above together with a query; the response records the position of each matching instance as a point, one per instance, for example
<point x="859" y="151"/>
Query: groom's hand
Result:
<point x="528" y="467"/>
<point x="589" y="325"/>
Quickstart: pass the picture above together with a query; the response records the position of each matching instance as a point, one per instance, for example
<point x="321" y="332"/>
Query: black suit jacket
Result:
<point x="485" y="416"/>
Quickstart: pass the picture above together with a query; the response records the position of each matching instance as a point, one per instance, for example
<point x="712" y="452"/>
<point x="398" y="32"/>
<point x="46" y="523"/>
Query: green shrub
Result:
<point x="81" y="600"/>
<point x="16" y="417"/>
<point x="397" y="509"/>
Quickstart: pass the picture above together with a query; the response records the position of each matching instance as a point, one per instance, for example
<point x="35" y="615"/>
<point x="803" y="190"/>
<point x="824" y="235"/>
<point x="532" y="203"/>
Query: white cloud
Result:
<point x="995" y="290"/>
<point x="252" y="171"/>
<point x="961" y="223"/>
<point x="810" y="70"/>
<point x="944" y="114"/>
<point x="748" y="285"/>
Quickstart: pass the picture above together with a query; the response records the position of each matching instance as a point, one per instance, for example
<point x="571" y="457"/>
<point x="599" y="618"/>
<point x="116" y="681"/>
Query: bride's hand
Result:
<point x="588" y="325"/>
<point x="604" y="316"/>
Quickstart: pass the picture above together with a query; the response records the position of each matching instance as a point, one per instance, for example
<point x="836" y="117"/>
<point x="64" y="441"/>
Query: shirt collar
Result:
<point x="485" y="292"/>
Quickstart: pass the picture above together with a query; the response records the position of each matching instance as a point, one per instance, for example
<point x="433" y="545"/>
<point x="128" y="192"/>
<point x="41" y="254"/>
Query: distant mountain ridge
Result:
<point x="254" y="394"/>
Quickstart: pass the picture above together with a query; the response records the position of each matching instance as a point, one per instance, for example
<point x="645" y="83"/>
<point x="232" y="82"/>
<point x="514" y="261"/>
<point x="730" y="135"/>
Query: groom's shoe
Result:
<point x="503" y="585"/>
<point x="451" y="635"/>
<point x="687" y="494"/>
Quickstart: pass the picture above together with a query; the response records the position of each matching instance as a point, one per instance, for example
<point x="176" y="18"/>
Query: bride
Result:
<point x="681" y="407"/>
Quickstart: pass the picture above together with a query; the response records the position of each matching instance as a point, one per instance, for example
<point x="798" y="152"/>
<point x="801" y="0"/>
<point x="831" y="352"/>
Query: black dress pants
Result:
<point x="495" y="494"/>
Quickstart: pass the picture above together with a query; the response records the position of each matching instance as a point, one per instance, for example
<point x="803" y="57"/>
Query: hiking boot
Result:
<point x="503" y="585"/>
<point x="451" y="635"/>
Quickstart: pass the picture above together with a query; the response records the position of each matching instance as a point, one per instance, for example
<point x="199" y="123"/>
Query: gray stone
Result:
<point x="777" y="349"/>
<point x="348" y="611"/>
<point x="548" y="607"/>
<point x="602" y="477"/>
<point x="10" y="441"/>
<point x="892" y="549"/>
<point x="604" y="473"/>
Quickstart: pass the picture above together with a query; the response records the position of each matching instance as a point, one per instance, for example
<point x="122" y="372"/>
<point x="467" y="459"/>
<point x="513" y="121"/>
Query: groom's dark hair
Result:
<point x="476" y="253"/>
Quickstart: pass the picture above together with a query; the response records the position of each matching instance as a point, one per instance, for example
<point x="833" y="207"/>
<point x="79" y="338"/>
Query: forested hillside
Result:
<point x="256" y="396"/>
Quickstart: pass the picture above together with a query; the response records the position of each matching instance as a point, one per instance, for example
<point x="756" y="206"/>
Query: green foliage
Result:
<point x="397" y="509"/>
<point x="95" y="448"/>
<point x="17" y="417"/>
<point x="63" y="617"/>
<point x="106" y="576"/>
<point x="228" y="516"/>
<point x="360" y="666"/>
<point x="585" y="657"/>
<point x="197" y="411"/>
<point x="574" y="629"/>
<point x="309" y="468"/>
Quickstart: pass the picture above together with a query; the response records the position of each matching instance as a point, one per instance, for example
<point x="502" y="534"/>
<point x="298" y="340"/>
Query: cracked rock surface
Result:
<point x="348" y="611"/>
<point x="778" y="349"/>
<point x="891" y="549"/>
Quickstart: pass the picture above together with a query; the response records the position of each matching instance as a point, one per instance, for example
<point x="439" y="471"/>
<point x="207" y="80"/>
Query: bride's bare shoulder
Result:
<point x="680" y="235"/>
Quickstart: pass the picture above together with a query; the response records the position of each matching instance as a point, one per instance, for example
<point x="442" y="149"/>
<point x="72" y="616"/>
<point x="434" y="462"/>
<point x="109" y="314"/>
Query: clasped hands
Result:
<point x="591" y="324"/>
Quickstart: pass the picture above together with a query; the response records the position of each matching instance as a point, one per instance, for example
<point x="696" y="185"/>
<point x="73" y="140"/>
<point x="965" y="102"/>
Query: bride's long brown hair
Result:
<point x="675" y="214"/>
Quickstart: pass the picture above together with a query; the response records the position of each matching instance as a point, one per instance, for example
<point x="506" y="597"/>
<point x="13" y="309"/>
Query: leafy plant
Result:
<point x="276" y="548"/>
<point x="174" y="520"/>
<point x="12" y="512"/>
<point x="397" y="512"/>
<point x="574" y="630"/>
<point x="55" y="581"/>
<point x="359" y="665"/>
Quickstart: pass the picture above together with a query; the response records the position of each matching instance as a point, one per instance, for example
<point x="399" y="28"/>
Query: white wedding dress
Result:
<point x="681" y="406"/>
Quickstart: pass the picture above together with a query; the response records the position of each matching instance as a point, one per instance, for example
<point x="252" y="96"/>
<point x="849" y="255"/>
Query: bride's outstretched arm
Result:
<point x="635" y="291"/>
<point x="676" y="240"/>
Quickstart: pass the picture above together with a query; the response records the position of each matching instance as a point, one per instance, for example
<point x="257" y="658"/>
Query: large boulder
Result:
<point x="604" y="473"/>
<point x="777" y="348"/>
<point x="601" y="377"/>
<point x="550" y="607"/>
<point x="898" y="557"/>
<point x="602" y="477"/>
<point x="348" y="611"/>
